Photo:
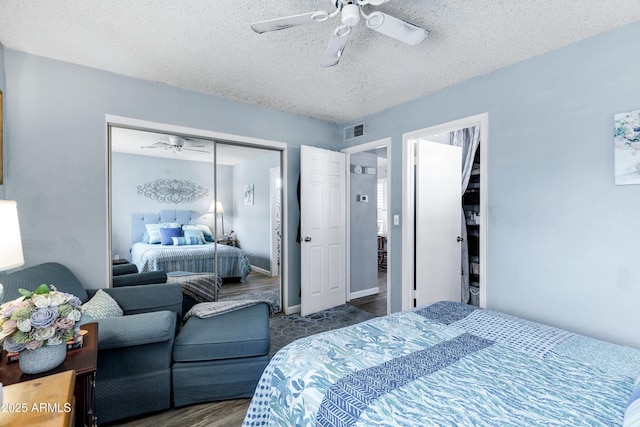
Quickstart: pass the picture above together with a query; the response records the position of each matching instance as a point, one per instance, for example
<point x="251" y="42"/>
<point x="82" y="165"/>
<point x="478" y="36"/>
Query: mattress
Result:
<point x="231" y="261"/>
<point x="446" y="364"/>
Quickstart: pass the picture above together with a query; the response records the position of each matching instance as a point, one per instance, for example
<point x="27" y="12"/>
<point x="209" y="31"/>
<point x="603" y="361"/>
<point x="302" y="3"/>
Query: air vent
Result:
<point x="354" y="131"/>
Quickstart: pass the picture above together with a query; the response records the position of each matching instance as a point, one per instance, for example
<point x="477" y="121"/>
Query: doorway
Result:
<point x="213" y="187"/>
<point x="410" y="202"/>
<point x="368" y="226"/>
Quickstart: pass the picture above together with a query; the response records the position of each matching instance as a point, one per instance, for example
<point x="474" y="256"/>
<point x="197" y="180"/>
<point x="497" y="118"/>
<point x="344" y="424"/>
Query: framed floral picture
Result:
<point x="626" y="139"/>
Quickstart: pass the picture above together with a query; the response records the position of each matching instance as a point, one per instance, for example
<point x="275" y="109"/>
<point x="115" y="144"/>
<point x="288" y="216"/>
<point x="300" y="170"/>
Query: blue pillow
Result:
<point x="208" y="236"/>
<point x="153" y="231"/>
<point x="167" y="235"/>
<point x="197" y="234"/>
<point x="632" y="413"/>
<point x="180" y="241"/>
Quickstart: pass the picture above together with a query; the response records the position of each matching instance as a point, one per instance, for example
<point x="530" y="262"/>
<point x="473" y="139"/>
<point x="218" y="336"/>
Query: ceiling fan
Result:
<point x="350" y="12"/>
<point x="177" y="144"/>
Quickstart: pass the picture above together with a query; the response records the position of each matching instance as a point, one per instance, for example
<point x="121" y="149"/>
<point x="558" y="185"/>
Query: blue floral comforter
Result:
<point x="446" y="364"/>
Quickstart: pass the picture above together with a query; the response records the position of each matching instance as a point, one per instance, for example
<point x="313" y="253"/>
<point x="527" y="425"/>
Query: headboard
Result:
<point x="139" y="220"/>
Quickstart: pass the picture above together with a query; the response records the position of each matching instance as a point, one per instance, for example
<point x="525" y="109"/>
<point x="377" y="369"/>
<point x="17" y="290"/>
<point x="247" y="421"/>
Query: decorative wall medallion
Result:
<point x="173" y="191"/>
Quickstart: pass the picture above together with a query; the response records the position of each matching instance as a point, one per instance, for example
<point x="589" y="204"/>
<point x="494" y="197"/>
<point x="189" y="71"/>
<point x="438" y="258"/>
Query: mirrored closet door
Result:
<point x="197" y="209"/>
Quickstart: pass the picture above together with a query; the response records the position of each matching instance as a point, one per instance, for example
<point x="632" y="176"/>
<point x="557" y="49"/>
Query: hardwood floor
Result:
<point x="255" y="282"/>
<point x="375" y="304"/>
<point x="231" y="413"/>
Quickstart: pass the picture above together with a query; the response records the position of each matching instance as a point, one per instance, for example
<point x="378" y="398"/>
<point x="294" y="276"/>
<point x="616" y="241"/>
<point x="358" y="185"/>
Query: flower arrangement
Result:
<point x="40" y="318"/>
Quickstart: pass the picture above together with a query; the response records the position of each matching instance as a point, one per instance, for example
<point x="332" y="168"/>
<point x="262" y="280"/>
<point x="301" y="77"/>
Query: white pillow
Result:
<point x="102" y="306"/>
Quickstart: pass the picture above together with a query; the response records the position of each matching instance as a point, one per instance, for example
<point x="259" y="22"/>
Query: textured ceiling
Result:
<point x="208" y="46"/>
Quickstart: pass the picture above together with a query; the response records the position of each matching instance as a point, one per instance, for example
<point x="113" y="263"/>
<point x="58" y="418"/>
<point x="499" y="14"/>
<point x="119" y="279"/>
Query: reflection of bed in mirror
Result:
<point x="196" y="258"/>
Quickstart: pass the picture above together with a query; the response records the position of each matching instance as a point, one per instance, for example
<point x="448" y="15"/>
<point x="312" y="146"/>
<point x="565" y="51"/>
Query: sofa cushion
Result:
<point x="240" y="333"/>
<point x="136" y="330"/>
<point x="196" y="382"/>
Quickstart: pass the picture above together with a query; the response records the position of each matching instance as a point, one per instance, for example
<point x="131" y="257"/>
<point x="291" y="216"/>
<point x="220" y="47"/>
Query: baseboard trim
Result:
<point x="292" y="309"/>
<point x="260" y="270"/>
<point x="364" y="293"/>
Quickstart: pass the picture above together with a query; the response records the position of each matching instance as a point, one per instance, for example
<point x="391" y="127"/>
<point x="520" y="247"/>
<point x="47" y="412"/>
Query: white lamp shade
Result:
<point x="10" y="243"/>
<point x="216" y="207"/>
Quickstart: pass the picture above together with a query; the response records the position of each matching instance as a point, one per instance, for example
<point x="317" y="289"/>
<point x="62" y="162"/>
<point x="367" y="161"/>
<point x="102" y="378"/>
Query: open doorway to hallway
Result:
<point x="369" y="228"/>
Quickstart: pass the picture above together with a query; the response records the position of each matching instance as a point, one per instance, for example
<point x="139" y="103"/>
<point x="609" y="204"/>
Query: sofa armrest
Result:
<point x="147" y="278"/>
<point x="136" y="329"/>
<point x="142" y="299"/>
<point x="118" y="270"/>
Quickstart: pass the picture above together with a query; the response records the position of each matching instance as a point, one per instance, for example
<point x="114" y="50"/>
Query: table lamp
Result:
<point x="217" y="208"/>
<point x="10" y="243"/>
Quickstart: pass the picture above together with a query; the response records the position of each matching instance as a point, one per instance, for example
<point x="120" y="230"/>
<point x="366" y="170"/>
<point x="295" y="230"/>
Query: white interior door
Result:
<point x="323" y="229"/>
<point x="438" y="210"/>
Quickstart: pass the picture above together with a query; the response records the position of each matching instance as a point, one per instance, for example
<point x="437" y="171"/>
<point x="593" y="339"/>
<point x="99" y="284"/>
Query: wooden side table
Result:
<point x="83" y="361"/>
<point x="42" y="402"/>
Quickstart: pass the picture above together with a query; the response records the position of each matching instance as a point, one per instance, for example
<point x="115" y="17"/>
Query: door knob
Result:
<point x="307" y="239"/>
<point x="459" y="239"/>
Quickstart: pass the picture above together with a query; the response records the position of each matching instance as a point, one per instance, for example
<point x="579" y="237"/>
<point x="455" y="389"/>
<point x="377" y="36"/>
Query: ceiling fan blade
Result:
<point x="336" y="46"/>
<point x="162" y="143"/>
<point x="200" y="151"/>
<point x="396" y="28"/>
<point x="371" y="2"/>
<point x="191" y="144"/>
<point x="155" y="145"/>
<point x="289" y="21"/>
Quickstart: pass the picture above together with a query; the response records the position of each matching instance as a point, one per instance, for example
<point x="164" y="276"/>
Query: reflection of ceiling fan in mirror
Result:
<point x="178" y="144"/>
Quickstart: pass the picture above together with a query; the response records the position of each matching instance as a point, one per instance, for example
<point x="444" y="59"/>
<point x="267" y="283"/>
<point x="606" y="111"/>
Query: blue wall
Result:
<point x="364" y="227"/>
<point x="128" y="171"/>
<point x="252" y="223"/>
<point x="57" y="152"/>
<point x="562" y="238"/>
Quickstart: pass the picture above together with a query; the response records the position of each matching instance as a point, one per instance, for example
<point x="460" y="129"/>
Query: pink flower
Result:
<point x="63" y="323"/>
<point x="9" y="326"/>
<point x="32" y="345"/>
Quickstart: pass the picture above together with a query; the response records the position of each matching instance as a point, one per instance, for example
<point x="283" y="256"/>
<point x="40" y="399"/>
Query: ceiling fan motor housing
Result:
<point x="350" y="14"/>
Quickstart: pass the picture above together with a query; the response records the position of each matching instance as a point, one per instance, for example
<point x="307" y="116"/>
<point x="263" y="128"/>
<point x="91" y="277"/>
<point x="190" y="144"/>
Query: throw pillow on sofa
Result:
<point x="102" y="306"/>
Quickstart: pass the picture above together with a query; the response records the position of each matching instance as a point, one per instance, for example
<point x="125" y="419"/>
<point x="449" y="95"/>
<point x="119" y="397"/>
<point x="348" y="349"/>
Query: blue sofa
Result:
<point x="134" y="351"/>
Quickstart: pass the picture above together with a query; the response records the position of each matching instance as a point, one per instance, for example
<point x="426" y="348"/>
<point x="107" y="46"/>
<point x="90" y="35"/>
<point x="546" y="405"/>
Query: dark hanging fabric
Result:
<point x="299" y="235"/>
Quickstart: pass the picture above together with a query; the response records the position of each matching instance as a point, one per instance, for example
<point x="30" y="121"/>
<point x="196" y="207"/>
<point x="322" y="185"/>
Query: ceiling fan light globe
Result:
<point x="342" y="31"/>
<point x="350" y="15"/>
<point x="375" y="20"/>
<point x="320" y="16"/>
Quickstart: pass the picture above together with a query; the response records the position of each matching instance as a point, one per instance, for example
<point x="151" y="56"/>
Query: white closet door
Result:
<point x="438" y="210"/>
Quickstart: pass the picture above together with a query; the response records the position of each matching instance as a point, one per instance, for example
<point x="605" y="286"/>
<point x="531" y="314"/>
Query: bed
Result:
<point x="447" y="364"/>
<point x="232" y="262"/>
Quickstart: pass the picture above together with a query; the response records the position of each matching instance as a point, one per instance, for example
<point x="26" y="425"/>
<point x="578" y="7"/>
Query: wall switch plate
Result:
<point x="396" y="220"/>
<point x="362" y="198"/>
